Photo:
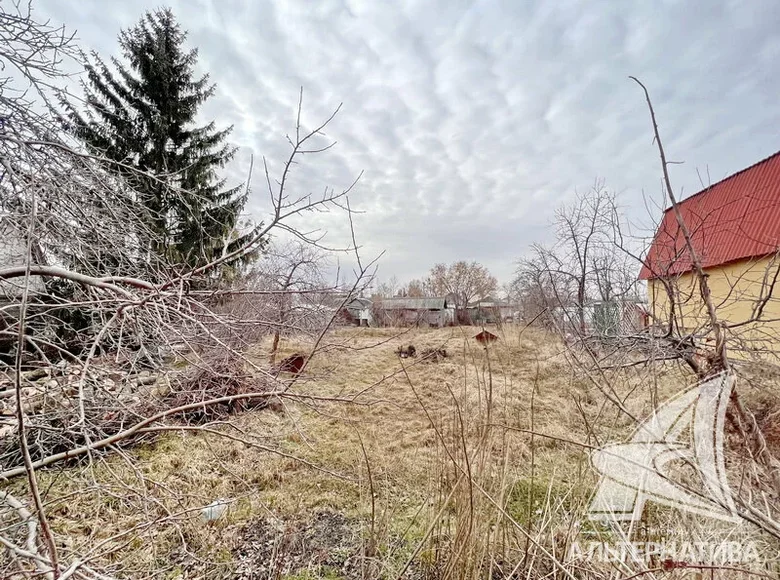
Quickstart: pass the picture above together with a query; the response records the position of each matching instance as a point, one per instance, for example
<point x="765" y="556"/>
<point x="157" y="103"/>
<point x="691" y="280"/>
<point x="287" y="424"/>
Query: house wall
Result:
<point x="736" y="290"/>
<point x="410" y="317"/>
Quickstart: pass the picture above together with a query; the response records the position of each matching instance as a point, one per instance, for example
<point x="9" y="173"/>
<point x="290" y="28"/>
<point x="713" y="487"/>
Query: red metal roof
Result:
<point x="734" y="219"/>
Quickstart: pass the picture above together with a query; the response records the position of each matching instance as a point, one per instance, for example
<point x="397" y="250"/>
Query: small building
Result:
<point x="358" y="312"/>
<point x="735" y="230"/>
<point x="492" y="310"/>
<point x="433" y="311"/>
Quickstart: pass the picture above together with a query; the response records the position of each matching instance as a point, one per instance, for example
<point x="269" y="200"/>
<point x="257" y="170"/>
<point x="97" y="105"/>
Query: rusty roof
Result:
<point x="734" y="219"/>
<point x="486" y="336"/>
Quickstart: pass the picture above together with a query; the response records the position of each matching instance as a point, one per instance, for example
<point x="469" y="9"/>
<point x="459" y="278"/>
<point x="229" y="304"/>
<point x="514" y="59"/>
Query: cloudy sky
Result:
<point x="473" y="120"/>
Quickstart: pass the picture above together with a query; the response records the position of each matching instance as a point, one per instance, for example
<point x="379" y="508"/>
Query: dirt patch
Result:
<point x="329" y="544"/>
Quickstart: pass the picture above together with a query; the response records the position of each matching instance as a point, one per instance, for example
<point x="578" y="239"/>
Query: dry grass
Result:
<point x="432" y="459"/>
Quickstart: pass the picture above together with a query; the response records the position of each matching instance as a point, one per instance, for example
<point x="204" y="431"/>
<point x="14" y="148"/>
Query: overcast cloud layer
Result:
<point x="473" y="120"/>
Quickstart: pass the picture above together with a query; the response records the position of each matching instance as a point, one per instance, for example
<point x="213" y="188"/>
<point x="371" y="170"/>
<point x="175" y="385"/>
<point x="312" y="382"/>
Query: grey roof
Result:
<point x="437" y="303"/>
<point x="489" y="302"/>
<point x="356" y="305"/>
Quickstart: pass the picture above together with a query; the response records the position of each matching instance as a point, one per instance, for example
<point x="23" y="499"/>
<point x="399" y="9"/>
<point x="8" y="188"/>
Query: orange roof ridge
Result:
<point x="735" y="174"/>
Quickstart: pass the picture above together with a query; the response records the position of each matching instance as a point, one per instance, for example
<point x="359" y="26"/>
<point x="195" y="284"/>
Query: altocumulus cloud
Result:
<point x="473" y="120"/>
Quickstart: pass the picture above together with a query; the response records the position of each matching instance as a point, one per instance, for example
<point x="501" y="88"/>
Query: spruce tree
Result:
<point x="143" y="115"/>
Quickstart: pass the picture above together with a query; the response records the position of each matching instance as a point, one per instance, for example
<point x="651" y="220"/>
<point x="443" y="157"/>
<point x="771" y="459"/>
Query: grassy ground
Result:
<point x="395" y="467"/>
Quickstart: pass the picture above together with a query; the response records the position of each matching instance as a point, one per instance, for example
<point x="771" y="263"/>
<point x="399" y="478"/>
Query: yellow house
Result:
<point x="735" y="230"/>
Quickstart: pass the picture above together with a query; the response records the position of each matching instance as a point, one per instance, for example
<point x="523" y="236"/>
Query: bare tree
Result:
<point x="295" y="273"/>
<point x="464" y="281"/>
<point x="584" y="263"/>
<point x="541" y="285"/>
<point x="388" y="288"/>
<point x="417" y="288"/>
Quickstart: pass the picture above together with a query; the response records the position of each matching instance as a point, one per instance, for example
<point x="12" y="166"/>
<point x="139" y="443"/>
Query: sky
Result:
<point x="471" y="121"/>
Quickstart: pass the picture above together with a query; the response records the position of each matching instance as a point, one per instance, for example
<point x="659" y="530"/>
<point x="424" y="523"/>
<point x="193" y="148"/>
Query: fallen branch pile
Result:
<point x="67" y="406"/>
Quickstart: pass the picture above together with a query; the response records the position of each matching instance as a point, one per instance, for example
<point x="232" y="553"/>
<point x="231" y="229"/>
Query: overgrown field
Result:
<point x="471" y="466"/>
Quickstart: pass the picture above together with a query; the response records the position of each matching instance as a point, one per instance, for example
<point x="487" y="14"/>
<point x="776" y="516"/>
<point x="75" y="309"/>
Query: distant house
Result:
<point x="436" y="311"/>
<point x="358" y="312"/>
<point x="490" y="310"/>
<point x="735" y="230"/>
